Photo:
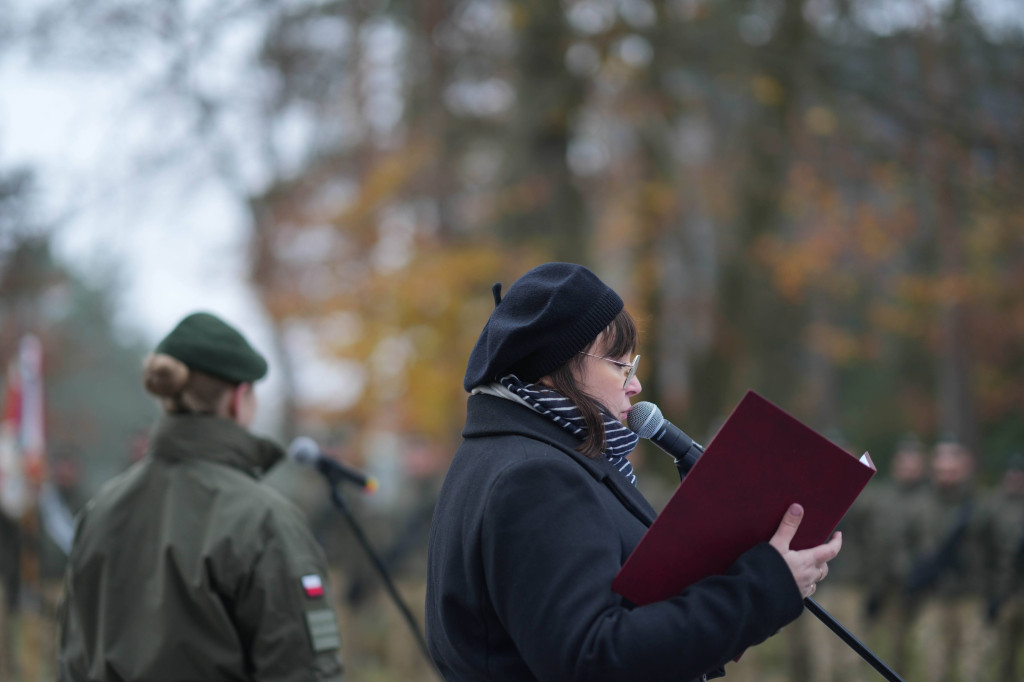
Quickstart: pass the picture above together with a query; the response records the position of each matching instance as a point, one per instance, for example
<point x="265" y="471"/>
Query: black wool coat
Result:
<point x="526" y="538"/>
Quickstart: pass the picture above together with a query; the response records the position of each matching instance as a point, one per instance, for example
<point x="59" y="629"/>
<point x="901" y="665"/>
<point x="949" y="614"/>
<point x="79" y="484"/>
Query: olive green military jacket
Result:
<point x="943" y="510"/>
<point x="186" y="567"/>
<point x="889" y="545"/>
<point x="1002" y="544"/>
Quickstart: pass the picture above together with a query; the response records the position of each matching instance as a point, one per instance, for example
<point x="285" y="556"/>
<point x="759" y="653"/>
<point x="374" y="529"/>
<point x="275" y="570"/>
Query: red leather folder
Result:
<point x="761" y="461"/>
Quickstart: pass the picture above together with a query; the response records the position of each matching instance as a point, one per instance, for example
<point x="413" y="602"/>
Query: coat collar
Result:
<point x="179" y="438"/>
<point x="489" y="415"/>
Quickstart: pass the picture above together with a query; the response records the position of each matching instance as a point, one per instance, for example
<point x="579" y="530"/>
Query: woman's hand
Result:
<point x="808" y="566"/>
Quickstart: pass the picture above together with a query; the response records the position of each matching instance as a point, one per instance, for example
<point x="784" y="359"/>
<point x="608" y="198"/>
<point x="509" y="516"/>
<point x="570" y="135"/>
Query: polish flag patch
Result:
<point x="312" y="585"/>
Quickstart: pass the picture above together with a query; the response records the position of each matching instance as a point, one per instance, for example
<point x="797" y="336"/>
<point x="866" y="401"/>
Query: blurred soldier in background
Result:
<point x="888" y="549"/>
<point x="832" y="659"/>
<point x="186" y="567"/>
<point x="1001" y="539"/>
<point x="946" y="574"/>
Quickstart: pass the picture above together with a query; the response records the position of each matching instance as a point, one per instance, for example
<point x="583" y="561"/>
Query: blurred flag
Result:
<point x="22" y="430"/>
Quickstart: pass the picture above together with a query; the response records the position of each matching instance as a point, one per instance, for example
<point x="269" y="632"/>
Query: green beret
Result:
<point x="209" y="344"/>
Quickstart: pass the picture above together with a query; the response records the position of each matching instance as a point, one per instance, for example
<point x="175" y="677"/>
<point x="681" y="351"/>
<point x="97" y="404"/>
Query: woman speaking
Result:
<point x="539" y="511"/>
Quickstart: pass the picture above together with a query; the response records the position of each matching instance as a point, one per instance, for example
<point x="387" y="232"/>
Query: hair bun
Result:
<point x="163" y="375"/>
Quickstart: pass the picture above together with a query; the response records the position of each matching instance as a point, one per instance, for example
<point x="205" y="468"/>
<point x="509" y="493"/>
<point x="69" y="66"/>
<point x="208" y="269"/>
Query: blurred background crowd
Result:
<point x="815" y="199"/>
<point x="930" y="576"/>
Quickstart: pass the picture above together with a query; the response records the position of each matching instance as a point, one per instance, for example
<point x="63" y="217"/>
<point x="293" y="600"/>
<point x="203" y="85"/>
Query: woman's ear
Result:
<point x="236" y="400"/>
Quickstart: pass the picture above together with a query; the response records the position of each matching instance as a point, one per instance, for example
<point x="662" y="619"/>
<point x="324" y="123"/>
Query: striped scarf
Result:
<point x="619" y="440"/>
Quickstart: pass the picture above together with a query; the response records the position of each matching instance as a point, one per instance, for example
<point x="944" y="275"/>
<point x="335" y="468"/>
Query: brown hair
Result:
<point x="181" y="389"/>
<point x="618" y="338"/>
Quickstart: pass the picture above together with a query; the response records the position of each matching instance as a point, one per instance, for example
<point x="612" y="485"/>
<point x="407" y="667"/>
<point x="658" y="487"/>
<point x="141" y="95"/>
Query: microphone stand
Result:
<point x="835" y="626"/>
<point x="357" y="530"/>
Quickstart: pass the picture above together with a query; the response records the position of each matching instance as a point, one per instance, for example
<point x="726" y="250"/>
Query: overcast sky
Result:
<point x="175" y="240"/>
<point x="178" y="243"/>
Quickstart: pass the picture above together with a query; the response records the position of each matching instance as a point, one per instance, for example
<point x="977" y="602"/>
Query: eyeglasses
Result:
<point x="630" y="368"/>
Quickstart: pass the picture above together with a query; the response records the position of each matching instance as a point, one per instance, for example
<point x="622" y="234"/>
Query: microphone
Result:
<point x="645" y="420"/>
<point x="305" y="451"/>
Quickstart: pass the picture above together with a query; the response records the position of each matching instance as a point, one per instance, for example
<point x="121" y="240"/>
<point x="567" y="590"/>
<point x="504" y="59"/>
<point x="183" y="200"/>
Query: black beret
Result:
<point x="548" y="315"/>
<point x="209" y="344"/>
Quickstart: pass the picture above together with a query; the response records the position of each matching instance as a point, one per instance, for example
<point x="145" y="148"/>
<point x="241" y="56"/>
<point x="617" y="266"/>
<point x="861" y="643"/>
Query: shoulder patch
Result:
<point x="323" y="630"/>
<point x="312" y="585"/>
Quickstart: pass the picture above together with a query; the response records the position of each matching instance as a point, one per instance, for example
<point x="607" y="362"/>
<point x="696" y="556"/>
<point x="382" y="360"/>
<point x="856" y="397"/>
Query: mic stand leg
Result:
<point x="357" y="530"/>
<point x="835" y="626"/>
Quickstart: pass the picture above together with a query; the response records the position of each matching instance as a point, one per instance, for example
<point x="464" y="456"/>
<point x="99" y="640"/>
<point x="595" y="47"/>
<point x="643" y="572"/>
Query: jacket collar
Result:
<point x="489" y="415"/>
<point x="179" y="438"/>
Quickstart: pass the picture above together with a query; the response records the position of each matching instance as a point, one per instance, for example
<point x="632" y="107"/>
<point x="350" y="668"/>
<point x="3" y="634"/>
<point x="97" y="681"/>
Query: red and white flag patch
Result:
<point x="312" y="585"/>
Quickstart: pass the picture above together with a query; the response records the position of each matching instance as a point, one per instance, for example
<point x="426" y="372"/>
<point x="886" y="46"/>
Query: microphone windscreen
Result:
<point x="645" y="419"/>
<point x="304" y="450"/>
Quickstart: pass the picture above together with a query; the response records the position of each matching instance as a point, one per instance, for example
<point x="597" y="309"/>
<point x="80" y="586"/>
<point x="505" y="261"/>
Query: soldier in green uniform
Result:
<point x="186" y="567"/>
<point x="946" y="575"/>
<point x="830" y="658"/>
<point x="1002" y="548"/>
<point x="888" y="548"/>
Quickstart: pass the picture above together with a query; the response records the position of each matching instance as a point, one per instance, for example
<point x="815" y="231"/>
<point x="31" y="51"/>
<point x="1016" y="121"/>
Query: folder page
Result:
<point x="761" y="461"/>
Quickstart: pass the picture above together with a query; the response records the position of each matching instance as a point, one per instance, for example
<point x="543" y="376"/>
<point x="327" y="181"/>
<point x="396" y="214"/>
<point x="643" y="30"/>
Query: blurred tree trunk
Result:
<point x="955" y="398"/>
<point x="428" y="116"/>
<point x="943" y="169"/>
<point x="765" y="329"/>
<point x="683" y="250"/>
<point x="541" y="201"/>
